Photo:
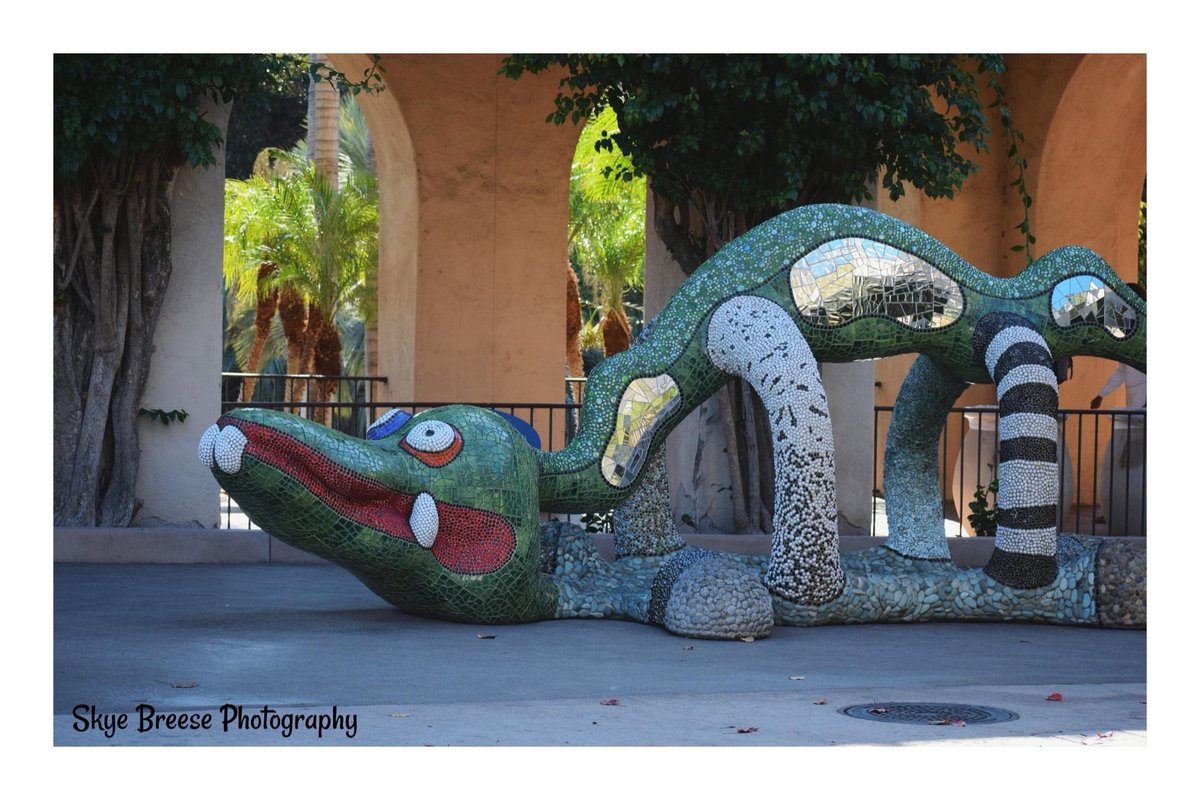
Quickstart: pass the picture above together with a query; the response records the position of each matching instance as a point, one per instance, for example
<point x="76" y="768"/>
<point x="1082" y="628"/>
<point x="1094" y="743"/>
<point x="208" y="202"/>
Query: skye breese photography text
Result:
<point x="229" y="718"/>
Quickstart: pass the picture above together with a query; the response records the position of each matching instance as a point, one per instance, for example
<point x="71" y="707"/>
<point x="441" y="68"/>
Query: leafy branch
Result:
<point x="371" y="81"/>
<point x="1015" y="136"/>
<point x="982" y="517"/>
<point x="165" y="417"/>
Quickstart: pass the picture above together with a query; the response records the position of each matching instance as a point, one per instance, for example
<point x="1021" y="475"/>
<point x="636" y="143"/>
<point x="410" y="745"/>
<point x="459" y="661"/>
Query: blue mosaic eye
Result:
<point x="388" y="424"/>
<point x="1087" y="300"/>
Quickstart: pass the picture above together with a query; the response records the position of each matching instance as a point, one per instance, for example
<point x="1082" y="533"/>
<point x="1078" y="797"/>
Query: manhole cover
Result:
<point x="928" y="713"/>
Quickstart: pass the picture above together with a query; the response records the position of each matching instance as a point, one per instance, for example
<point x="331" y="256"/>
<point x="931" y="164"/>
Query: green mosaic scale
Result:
<point x="440" y="516"/>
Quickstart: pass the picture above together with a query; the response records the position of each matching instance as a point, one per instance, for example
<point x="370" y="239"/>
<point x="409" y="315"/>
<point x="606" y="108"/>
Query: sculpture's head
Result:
<point x="1091" y="310"/>
<point x="437" y="514"/>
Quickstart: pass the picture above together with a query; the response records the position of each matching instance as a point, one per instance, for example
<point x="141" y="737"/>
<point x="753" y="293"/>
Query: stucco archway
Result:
<point x="1094" y="162"/>
<point x="396" y="168"/>
<point x="1089" y="185"/>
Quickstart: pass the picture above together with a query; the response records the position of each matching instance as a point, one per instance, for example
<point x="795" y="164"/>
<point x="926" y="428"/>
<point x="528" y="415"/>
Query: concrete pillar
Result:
<point x="697" y="466"/>
<point x="850" y="391"/>
<point x="473" y="230"/>
<point x="185" y="368"/>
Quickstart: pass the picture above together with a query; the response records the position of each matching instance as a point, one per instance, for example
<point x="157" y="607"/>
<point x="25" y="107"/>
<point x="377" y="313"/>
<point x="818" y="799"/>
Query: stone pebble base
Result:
<point x="592" y="585"/>
<point x="1100" y="582"/>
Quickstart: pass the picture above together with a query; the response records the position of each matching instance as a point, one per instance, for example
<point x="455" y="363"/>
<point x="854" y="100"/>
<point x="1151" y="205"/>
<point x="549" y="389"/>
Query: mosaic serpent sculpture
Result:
<point x="439" y="513"/>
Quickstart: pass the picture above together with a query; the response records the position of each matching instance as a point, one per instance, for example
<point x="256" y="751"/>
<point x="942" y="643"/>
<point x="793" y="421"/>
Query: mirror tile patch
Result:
<point x="1087" y="300"/>
<point x="853" y="277"/>
<point x="644" y="404"/>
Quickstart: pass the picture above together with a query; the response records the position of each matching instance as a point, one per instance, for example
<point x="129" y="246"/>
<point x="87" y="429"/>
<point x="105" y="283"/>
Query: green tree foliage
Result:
<point x="277" y="122"/>
<point x="324" y="244"/>
<point x="123" y="126"/>
<point x="736" y="139"/>
<point x="606" y="230"/>
<point x="322" y="241"/>
<point x="1141" y="271"/>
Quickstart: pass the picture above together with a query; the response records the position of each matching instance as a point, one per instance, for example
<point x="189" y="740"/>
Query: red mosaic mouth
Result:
<point x="469" y="541"/>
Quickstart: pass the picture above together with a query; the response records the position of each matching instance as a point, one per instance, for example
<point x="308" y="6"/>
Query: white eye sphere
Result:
<point x="431" y="436"/>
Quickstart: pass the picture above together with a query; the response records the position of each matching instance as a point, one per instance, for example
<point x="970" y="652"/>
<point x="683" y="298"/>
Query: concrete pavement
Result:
<point x="302" y="639"/>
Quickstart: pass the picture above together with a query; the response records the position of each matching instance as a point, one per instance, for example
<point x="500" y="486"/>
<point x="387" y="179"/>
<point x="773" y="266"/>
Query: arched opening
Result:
<point x="606" y="239"/>
<point x="306" y="216"/>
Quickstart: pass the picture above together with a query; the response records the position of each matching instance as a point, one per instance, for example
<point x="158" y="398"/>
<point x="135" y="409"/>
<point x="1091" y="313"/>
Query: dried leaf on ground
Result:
<point x="485" y="636"/>
<point x="1055" y="696"/>
<point x="746" y="638"/>
<point x="821" y="701"/>
<point x="958" y="723"/>
<point x="612" y="701"/>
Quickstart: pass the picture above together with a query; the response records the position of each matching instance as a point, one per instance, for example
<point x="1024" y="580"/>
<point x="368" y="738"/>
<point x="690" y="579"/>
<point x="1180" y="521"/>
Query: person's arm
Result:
<point x="1116" y="379"/>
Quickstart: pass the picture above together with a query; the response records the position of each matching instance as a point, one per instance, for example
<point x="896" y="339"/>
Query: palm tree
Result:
<point x="299" y="245"/>
<point x="320" y="243"/>
<point x="607" y="226"/>
<point x="249" y="228"/>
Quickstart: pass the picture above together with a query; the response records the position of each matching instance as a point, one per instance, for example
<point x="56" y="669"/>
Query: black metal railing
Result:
<point x="554" y="422"/>
<point x="1102" y="468"/>
<point x="346" y="397"/>
<point x="1102" y="477"/>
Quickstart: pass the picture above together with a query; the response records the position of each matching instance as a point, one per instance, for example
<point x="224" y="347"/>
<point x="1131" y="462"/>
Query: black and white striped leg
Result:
<point x="1019" y="361"/>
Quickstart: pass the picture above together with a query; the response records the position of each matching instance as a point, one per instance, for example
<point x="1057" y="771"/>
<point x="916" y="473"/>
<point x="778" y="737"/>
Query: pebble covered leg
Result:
<point x="642" y="522"/>
<point x="910" y="461"/>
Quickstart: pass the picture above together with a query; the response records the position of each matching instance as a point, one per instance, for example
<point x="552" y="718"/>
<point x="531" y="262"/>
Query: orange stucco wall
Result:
<point x="473" y="225"/>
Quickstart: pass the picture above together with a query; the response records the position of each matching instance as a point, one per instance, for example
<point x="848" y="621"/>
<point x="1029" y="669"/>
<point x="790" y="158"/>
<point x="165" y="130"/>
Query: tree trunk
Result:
<point x="149" y="259"/>
<point x="574" y="326"/>
<point x="754" y="504"/>
<point x="293" y="318"/>
<point x="72" y="337"/>
<point x="265" y="304"/>
<point x="308" y="344"/>
<point x="615" y="328"/>
<point x="741" y="522"/>
<point x="323" y="130"/>
<point x="762" y="427"/>
<point x="112" y="265"/>
<point x="327" y="360"/>
<point x="687" y="251"/>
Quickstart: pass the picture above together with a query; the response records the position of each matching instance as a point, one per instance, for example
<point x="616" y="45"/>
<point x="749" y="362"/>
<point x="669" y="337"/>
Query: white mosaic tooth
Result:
<point x="423" y="520"/>
<point x="207" y="442"/>
<point x="228" y="448"/>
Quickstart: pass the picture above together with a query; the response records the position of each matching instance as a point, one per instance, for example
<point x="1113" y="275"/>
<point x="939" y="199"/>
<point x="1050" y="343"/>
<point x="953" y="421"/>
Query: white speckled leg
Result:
<point x="755" y="339"/>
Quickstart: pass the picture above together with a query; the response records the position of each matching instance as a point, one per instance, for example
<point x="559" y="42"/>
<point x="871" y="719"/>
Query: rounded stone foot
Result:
<point x="717" y="598"/>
